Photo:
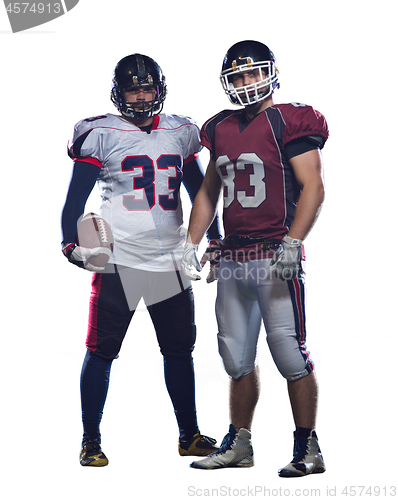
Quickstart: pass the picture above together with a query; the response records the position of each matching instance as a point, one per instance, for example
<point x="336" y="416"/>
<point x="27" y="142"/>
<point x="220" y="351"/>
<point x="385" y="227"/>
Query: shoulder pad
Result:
<point x="303" y="121"/>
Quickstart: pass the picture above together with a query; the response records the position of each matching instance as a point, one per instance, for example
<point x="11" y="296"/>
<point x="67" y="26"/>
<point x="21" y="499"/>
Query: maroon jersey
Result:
<point x="252" y="160"/>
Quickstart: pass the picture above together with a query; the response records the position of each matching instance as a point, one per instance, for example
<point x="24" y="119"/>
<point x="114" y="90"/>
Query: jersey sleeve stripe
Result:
<point x="190" y="158"/>
<point x="89" y="159"/>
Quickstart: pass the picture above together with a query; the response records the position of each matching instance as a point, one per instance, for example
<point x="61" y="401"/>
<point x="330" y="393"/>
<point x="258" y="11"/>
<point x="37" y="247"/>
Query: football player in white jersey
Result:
<point x="139" y="159"/>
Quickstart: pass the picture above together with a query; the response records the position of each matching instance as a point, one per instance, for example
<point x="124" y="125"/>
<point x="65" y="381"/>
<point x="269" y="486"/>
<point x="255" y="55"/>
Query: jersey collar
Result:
<point x="155" y="123"/>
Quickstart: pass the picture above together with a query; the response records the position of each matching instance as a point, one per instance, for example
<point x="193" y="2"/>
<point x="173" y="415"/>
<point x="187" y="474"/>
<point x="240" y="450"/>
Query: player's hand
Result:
<point x="287" y="259"/>
<point x="212" y="255"/>
<point x="79" y="256"/>
<point x="190" y="260"/>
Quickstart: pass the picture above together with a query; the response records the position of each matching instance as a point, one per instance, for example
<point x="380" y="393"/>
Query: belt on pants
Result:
<point x="236" y="241"/>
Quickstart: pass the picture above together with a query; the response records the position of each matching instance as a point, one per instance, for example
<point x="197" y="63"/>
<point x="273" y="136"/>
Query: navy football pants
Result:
<point x="109" y="319"/>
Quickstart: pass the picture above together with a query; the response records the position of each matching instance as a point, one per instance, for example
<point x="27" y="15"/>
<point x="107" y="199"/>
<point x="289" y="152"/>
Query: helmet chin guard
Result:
<point x="141" y="110"/>
<point x="249" y="56"/>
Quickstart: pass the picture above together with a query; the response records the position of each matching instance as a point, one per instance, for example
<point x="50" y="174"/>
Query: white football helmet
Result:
<point x="245" y="56"/>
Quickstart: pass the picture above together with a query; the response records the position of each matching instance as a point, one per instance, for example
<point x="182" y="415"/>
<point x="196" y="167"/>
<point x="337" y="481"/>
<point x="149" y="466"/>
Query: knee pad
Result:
<point x="290" y="356"/>
<point x="177" y="345"/>
<point x="107" y="348"/>
<point x="235" y="368"/>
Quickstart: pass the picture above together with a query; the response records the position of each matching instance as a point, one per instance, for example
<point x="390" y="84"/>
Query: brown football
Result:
<point x="93" y="231"/>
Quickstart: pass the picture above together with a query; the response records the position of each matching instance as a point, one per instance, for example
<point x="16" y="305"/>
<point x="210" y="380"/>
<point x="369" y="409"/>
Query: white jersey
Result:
<point x="139" y="183"/>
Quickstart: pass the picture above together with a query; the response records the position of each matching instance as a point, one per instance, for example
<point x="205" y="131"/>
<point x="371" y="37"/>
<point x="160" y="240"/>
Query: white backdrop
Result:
<point x="338" y="57"/>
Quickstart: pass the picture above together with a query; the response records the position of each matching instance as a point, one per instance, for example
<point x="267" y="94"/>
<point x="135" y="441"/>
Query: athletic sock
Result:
<point x="303" y="432"/>
<point x="94" y="383"/>
<point x="180" y="383"/>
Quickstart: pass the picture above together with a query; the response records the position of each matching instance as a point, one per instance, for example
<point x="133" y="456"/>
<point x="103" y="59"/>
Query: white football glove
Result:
<point x="80" y="255"/>
<point x="190" y="260"/>
<point x="212" y="255"/>
<point x="287" y="259"/>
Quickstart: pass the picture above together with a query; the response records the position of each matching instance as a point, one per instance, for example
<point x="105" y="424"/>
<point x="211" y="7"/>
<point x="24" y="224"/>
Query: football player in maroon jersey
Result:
<point x="266" y="158"/>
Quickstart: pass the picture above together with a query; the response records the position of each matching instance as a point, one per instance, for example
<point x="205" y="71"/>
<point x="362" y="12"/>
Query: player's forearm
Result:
<point x="205" y="205"/>
<point x="307" y="211"/>
<point x="202" y="215"/>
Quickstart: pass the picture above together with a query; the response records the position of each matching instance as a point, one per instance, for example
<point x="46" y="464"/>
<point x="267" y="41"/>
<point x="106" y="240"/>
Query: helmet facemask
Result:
<point x="141" y="110"/>
<point x="256" y="92"/>
<point x="138" y="110"/>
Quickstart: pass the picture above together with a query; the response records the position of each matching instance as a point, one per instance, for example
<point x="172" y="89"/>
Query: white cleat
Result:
<point x="307" y="458"/>
<point x="235" y="451"/>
